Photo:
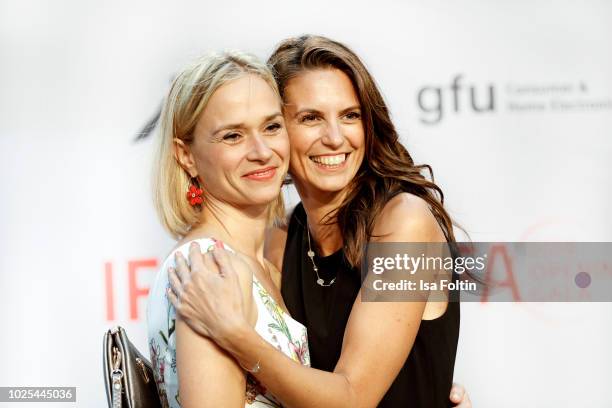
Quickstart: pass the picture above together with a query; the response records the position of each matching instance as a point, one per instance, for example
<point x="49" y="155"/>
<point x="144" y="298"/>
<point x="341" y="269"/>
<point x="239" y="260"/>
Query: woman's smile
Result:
<point x="323" y="116"/>
<point x="263" y="174"/>
<point x="330" y="162"/>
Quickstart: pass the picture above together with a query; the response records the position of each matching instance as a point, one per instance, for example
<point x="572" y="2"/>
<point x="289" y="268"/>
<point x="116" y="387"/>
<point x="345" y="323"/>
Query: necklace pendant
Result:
<point x="311" y="255"/>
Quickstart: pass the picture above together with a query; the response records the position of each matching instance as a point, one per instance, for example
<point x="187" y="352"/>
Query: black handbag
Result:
<point x="128" y="376"/>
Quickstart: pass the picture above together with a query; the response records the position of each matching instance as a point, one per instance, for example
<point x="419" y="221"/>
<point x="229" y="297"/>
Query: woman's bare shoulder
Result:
<point x="407" y="216"/>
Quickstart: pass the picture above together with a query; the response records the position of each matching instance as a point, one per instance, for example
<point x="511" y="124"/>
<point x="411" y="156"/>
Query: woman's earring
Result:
<point x="194" y="195"/>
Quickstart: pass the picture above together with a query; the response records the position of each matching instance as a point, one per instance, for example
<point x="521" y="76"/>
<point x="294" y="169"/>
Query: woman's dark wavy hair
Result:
<point x="387" y="168"/>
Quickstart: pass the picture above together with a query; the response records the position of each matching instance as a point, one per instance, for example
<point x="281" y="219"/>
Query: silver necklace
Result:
<point x="311" y="255"/>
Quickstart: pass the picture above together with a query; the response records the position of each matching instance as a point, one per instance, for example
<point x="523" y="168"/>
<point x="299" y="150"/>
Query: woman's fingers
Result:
<point x="176" y="287"/>
<point x="211" y="304"/>
<point x="173" y="298"/>
<point x="182" y="269"/>
<point x="465" y="402"/>
<point x="195" y="257"/>
<point x="459" y="396"/>
<point x="222" y="261"/>
<point x="457" y="392"/>
<point x="209" y="264"/>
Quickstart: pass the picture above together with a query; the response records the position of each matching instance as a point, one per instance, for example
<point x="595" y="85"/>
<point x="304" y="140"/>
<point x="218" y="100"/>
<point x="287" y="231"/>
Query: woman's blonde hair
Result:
<point x="188" y="96"/>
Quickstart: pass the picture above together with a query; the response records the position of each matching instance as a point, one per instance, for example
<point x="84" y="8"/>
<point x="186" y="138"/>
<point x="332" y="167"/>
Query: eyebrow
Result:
<point x="342" y="112"/>
<point x="242" y="126"/>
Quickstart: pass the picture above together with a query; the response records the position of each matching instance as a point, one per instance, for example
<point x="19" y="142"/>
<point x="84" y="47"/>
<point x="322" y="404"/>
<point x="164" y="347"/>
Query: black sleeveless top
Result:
<point x="425" y="379"/>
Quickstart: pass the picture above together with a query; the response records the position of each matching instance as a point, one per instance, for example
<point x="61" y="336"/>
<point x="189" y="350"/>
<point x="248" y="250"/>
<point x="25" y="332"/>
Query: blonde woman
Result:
<point x="223" y="156"/>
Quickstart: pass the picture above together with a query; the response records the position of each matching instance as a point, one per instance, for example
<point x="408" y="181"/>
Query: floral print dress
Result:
<point x="273" y="324"/>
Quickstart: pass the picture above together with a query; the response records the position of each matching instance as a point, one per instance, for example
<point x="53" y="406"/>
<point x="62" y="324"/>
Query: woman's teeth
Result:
<point x="329" y="160"/>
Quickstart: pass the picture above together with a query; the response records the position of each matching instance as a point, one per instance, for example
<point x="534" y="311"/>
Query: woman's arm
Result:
<point x="377" y="339"/>
<point x="209" y="376"/>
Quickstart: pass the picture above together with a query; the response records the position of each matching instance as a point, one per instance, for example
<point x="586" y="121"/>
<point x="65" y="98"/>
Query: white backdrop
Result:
<point x="79" y="236"/>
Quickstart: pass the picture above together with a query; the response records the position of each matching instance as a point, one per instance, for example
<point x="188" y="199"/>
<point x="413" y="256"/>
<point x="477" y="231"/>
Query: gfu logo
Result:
<point x="433" y="100"/>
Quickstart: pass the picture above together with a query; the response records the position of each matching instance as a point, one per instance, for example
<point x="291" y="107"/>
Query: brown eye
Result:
<point x="353" y="115"/>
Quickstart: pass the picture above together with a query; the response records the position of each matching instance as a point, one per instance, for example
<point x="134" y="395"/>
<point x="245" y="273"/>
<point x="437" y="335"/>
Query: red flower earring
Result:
<point x="194" y="195"/>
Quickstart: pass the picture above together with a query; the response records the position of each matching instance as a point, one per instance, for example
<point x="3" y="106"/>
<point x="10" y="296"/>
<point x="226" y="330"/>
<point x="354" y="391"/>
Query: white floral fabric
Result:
<point x="273" y="324"/>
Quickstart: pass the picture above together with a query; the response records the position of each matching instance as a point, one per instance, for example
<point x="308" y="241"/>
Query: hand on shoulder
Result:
<point x="224" y="272"/>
